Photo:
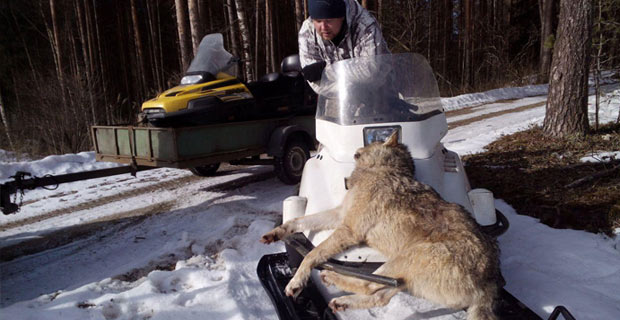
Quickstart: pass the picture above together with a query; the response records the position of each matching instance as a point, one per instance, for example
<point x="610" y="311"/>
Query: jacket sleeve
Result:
<point x="308" y="50"/>
<point x="371" y="42"/>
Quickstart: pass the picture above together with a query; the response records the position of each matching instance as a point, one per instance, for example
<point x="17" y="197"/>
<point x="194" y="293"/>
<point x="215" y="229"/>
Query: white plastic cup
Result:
<point x="484" y="207"/>
<point x="293" y="207"/>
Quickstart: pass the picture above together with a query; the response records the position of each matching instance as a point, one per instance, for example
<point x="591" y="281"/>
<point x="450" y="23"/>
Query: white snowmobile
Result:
<point x="363" y="100"/>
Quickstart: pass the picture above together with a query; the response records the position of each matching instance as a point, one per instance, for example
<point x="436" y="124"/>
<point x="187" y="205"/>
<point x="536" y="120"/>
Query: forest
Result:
<point x="69" y="64"/>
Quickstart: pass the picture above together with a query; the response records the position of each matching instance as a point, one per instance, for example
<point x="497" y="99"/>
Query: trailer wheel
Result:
<point x="205" y="171"/>
<point x="290" y="166"/>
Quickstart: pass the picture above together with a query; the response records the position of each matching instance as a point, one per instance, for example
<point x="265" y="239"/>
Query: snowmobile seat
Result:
<point x="291" y="66"/>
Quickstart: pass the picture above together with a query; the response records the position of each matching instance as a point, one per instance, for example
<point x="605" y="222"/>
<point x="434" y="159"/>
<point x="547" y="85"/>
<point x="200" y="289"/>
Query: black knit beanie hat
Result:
<point x="327" y="9"/>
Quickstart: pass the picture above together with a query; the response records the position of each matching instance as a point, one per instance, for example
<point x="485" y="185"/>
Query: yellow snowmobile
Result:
<point x="210" y="92"/>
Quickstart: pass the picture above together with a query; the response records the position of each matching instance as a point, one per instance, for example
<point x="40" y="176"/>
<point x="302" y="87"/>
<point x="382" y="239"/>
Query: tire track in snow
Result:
<point x="100" y="201"/>
<point x="117" y="221"/>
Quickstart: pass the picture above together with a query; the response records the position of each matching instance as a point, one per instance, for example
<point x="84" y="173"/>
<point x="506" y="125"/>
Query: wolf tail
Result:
<point x="482" y="309"/>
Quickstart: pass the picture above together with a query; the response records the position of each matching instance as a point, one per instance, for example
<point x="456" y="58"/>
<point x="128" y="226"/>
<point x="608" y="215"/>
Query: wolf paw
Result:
<point x="337" y="304"/>
<point x="327" y="277"/>
<point x="274" y="235"/>
<point x="294" y="288"/>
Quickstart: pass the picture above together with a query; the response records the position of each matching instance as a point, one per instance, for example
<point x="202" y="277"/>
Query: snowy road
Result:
<point x="167" y="245"/>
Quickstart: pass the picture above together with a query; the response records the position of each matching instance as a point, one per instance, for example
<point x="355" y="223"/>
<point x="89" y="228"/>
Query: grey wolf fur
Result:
<point x="433" y="246"/>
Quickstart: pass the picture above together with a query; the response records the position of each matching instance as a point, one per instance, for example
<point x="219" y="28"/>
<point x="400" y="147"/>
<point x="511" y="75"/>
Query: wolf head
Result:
<point x="388" y="154"/>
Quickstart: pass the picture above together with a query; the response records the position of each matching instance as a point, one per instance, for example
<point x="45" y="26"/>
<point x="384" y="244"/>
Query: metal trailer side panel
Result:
<point x="188" y="146"/>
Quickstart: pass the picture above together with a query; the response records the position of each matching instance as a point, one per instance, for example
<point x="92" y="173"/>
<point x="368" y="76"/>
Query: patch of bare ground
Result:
<point x="544" y="177"/>
<point x="472" y="109"/>
<point x="492" y="115"/>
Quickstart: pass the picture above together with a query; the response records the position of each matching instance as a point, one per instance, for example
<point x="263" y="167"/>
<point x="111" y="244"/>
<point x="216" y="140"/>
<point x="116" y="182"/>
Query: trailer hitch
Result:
<point x="7" y="189"/>
<point x="25" y="181"/>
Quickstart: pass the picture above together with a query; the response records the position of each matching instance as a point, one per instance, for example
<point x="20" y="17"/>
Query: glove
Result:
<point x="313" y="72"/>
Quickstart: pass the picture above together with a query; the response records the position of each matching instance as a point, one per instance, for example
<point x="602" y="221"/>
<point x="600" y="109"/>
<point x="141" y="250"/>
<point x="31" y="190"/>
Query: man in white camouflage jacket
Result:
<point x="336" y="30"/>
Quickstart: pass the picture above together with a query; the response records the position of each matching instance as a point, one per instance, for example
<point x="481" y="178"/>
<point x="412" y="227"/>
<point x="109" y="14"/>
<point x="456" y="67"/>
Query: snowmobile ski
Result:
<point x="274" y="273"/>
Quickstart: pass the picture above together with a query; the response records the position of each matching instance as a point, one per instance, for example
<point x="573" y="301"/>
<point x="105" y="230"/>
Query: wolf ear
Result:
<point x="392" y="140"/>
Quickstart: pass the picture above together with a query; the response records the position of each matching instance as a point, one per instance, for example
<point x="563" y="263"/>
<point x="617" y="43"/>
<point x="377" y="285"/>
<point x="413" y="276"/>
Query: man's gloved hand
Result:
<point x="313" y="72"/>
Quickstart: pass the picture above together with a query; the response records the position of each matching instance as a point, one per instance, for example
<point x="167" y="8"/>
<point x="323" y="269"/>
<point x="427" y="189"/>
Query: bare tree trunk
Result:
<point x="245" y="40"/>
<point x="567" y="105"/>
<point x="209" y="17"/>
<point x="160" y="49"/>
<point x="257" y="36"/>
<point x="23" y="41"/>
<point x="55" y="40"/>
<point x="85" y="58"/>
<point x="5" y="120"/>
<point x="299" y="13"/>
<point x="230" y="7"/>
<point x="181" y="12"/>
<point x="139" y="47"/>
<point x="89" y="39"/>
<point x="268" y="35"/>
<point x="597" y="71"/>
<point x="154" y="51"/>
<point x="102" y="65"/>
<point x="546" y="37"/>
<point x="194" y="24"/>
<point x="271" y="65"/>
<point x="306" y="14"/>
<point x="467" y="46"/>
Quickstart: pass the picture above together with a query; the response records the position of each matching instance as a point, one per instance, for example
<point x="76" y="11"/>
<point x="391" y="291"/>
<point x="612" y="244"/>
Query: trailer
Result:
<point x="283" y="142"/>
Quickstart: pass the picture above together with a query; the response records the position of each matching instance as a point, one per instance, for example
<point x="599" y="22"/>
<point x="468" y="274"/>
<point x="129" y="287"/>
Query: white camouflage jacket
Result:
<point x="362" y="38"/>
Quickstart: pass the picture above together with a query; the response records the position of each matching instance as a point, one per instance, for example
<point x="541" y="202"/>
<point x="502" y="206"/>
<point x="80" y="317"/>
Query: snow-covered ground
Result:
<point x="167" y="245"/>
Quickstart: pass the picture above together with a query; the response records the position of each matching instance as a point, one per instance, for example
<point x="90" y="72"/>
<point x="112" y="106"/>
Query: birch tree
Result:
<point x="230" y="10"/>
<point x="245" y="40"/>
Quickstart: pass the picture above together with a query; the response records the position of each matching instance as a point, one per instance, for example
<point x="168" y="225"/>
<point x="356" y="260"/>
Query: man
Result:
<point x="336" y="30"/>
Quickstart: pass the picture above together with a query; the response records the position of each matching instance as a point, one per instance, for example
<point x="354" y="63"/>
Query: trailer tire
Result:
<point x="290" y="165"/>
<point x="205" y="171"/>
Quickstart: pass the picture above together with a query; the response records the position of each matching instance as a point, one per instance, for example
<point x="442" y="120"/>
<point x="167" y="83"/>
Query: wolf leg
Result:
<point x="360" y="301"/>
<point x="341" y="239"/>
<point x="355" y="285"/>
<point x="328" y="219"/>
<point x="349" y="284"/>
<point x="482" y="307"/>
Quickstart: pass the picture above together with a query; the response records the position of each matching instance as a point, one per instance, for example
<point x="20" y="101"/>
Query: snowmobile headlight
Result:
<point x="153" y="110"/>
<point x="374" y="134"/>
<point x="196" y="78"/>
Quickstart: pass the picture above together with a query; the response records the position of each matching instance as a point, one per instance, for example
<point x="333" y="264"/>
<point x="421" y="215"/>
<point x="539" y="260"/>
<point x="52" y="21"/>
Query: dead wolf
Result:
<point x="433" y="246"/>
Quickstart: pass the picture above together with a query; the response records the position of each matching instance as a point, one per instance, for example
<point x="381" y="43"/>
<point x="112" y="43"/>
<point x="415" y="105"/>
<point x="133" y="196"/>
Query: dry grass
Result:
<point x="533" y="173"/>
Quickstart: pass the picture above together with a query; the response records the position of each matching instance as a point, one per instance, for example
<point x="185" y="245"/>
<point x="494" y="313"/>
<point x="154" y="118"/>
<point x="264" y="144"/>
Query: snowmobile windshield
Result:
<point x="378" y="89"/>
<point x="213" y="58"/>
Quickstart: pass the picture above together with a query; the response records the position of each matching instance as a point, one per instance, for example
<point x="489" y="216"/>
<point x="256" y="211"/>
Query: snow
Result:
<point x="167" y="245"/>
<point x="601" y="156"/>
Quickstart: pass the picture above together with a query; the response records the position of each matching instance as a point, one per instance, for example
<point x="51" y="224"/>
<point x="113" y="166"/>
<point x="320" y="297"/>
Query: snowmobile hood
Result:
<point x="177" y="98"/>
